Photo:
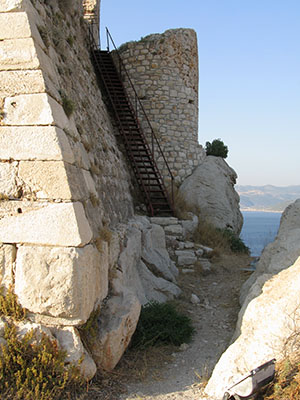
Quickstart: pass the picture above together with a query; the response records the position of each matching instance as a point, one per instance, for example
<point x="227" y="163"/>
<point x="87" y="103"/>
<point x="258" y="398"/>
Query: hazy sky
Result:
<point x="249" y="53"/>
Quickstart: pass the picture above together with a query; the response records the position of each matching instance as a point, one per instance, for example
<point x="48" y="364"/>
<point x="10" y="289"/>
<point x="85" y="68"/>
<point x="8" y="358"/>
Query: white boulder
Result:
<point x="266" y="330"/>
<point x="209" y="193"/>
<point x="270" y="315"/>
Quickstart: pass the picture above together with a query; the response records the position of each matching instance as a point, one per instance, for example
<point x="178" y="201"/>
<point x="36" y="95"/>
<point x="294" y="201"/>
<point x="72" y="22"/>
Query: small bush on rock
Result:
<point x="159" y="324"/>
<point x="236" y="243"/>
<point x="34" y="369"/>
<point x="31" y="366"/>
<point x="217" y="148"/>
<point x="221" y="240"/>
<point x="9" y="305"/>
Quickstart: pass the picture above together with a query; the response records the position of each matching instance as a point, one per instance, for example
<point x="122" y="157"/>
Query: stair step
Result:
<point x="134" y="140"/>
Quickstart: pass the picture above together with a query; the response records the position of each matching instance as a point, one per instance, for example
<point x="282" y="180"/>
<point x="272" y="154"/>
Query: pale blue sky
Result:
<point x="249" y="53"/>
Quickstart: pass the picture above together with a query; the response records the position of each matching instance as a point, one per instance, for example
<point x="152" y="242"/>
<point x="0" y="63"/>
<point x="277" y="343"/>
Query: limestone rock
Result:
<point x="267" y="327"/>
<point x="7" y="259"/>
<point x="69" y="340"/>
<point x="54" y="180"/>
<point x="60" y="282"/>
<point x="34" y="109"/>
<point x="8" y="180"/>
<point x="185" y="257"/>
<point x="132" y="272"/>
<point x="16" y="25"/>
<point x="153" y="288"/>
<point x="209" y="193"/>
<point x="281" y="253"/>
<point x="155" y="255"/>
<point x="18" y="54"/>
<point x="34" y="143"/>
<point x="190" y="225"/>
<point x="164" y="221"/>
<point x="195" y="299"/>
<point x="61" y="224"/>
<point x="117" y="324"/>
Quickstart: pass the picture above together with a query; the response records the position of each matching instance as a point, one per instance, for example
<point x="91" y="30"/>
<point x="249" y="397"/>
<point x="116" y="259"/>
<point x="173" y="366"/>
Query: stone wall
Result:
<point x="64" y="185"/>
<point x="164" y="71"/>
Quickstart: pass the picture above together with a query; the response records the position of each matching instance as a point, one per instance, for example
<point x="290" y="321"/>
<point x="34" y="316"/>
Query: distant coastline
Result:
<point x="267" y="198"/>
<point x="261" y="210"/>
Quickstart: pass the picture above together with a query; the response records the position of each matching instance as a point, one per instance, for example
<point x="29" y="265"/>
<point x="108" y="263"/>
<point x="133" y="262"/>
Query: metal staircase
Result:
<point x="140" y="154"/>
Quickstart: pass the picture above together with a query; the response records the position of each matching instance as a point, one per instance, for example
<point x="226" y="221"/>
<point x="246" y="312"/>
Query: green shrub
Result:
<point x="160" y="323"/>
<point x="34" y="369"/>
<point x="9" y="305"/>
<point x="221" y="240"/>
<point x="217" y="148"/>
<point x="67" y="103"/>
<point x="236" y="243"/>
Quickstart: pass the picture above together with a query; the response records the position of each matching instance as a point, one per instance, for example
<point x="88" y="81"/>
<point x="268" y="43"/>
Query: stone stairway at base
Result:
<point x="184" y="252"/>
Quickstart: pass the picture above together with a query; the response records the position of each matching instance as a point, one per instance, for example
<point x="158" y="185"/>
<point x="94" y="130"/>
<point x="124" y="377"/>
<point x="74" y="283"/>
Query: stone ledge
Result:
<point x="18" y="54"/>
<point x="34" y="109"/>
<point x="34" y="143"/>
<point x="14" y="25"/>
<point x="53" y="224"/>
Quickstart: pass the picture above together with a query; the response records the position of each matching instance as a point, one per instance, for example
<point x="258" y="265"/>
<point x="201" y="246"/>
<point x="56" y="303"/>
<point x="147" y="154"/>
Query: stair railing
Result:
<point x="137" y="102"/>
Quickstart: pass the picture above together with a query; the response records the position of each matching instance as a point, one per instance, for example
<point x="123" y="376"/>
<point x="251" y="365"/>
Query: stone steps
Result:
<point x="184" y="252"/>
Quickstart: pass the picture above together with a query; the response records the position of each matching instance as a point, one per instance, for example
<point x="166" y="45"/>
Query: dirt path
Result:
<point x="167" y="373"/>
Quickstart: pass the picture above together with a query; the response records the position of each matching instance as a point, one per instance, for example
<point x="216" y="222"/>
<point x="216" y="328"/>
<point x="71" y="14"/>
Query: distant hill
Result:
<point x="267" y="198"/>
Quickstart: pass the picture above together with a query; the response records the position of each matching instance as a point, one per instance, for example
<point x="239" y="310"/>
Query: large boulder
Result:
<point x="143" y="272"/>
<point x="269" y="320"/>
<point x="209" y="193"/>
<point x="270" y="325"/>
<point x="281" y="253"/>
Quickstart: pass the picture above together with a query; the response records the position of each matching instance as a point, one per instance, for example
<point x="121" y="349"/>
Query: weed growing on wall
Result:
<point x="67" y="103"/>
<point x="161" y="323"/>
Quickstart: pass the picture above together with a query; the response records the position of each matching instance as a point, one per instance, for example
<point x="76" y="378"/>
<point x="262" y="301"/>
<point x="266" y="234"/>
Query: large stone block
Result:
<point x="122" y="314"/>
<point x="7" y="259"/>
<point x="18" y="54"/>
<point x="10" y="5"/>
<point x="34" y="109"/>
<point x="21" y="82"/>
<point x="14" y="25"/>
<point x="60" y="282"/>
<point x="8" y="179"/>
<point x="53" y="180"/>
<point x="61" y="224"/>
<point x="155" y="254"/>
<point x="34" y="143"/>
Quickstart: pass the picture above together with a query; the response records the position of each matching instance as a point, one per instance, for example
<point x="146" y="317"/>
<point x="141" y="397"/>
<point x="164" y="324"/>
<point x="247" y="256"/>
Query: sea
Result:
<point x="259" y="229"/>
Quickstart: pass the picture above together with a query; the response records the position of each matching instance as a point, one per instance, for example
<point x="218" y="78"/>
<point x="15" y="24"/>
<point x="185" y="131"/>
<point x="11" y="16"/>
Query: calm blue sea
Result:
<point x="259" y="229"/>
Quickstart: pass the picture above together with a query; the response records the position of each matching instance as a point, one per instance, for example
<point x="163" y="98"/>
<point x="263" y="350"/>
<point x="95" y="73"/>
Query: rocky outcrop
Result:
<point x="281" y="253"/>
<point x="209" y="193"/>
<point x="269" y="321"/>
<point x="143" y="272"/>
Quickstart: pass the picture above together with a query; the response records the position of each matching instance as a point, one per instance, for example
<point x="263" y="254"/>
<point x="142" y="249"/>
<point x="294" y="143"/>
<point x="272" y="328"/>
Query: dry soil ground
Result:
<point x="169" y="373"/>
<point x="182" y="374"/>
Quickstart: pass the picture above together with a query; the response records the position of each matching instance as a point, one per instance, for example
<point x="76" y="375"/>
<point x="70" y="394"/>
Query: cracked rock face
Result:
<point x="270" y="314"/>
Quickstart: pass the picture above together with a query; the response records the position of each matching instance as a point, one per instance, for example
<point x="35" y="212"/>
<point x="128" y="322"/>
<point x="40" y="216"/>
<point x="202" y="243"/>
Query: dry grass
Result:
<point x="144" y="364"/>
<point x="208" y="235"/>
<point x="286" y="385"/>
